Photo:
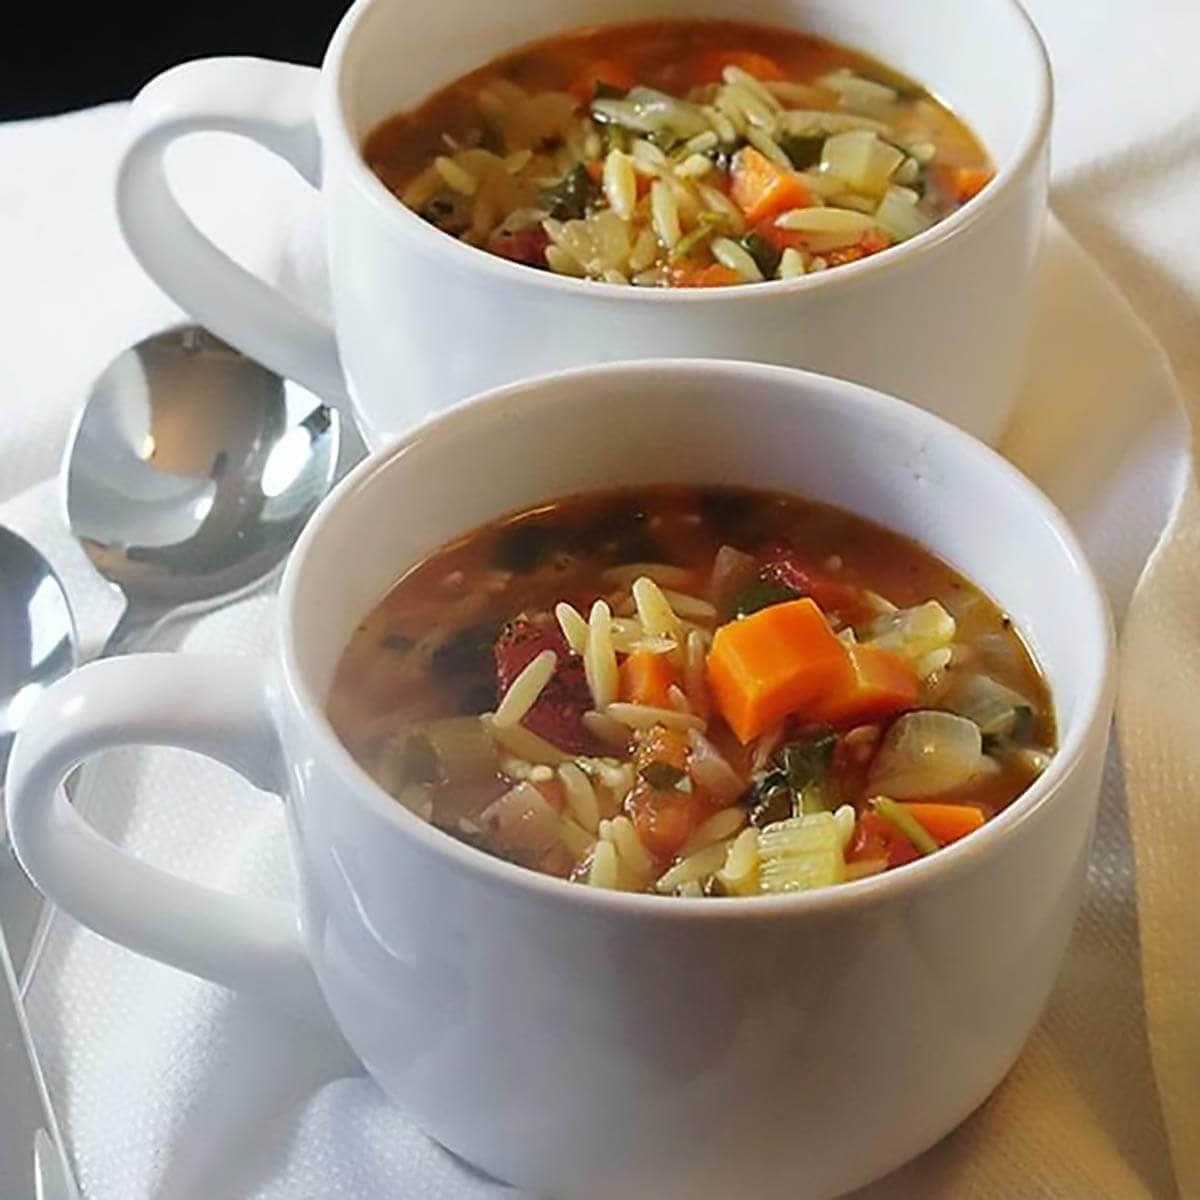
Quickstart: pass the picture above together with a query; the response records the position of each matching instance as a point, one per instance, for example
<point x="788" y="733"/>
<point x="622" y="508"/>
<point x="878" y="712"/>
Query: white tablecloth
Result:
<point x="172" y="1089"/>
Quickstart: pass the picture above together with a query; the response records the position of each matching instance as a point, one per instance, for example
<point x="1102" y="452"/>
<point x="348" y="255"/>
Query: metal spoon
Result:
<point x="37" y="646"/>
<point x="191" y="472"/>
<point x="37" y="635"/>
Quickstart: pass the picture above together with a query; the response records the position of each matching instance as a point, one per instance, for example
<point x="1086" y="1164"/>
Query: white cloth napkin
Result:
<point x="170" y="1089"/>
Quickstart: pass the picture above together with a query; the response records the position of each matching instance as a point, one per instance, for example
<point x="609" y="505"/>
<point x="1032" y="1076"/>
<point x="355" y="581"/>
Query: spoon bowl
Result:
<point x="37" y="634"/>
<point x="190" y="474"/>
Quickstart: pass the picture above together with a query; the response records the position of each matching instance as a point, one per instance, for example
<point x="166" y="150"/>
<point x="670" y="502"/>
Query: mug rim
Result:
<point x="1091" y="716"/>
<point x="336" y="137"/>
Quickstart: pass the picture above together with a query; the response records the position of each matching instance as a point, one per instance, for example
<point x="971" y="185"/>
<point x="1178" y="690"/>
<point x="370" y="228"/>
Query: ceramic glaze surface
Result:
<point x="581" y="1043"/>
<point x="422" y="320"/>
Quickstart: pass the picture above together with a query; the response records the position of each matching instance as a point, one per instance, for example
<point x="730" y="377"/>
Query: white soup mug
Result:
<point x="577" y="1042"/>
<point x="421" y="319"/>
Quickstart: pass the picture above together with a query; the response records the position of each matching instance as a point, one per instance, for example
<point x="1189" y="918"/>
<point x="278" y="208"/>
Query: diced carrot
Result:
<point x="603" y="70"/>
<point x="687" y="275"/>
<point x="881" y="683"/>
<point x="665" y="821"/>
<point x="708" y="66"/>
<point x="773" y="663"/>
<point x="664" y="817"/>
<point x="946" y="823"/>
<point x="595" y="170"/>
<point x="764" y="189"/>
<point x="645" y="678"/>
<point x="970" y="181"/>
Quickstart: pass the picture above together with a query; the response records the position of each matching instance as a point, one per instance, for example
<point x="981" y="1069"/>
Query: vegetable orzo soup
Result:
<point x="713" y="692"/>
<point x="681" y="154"/>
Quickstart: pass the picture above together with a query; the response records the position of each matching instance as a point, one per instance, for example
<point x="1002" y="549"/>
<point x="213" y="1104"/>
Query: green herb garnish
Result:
<point x="765" y="254"/>
<point x="1021" y="730"/>
<point x="762" y="593"/>
<point x="662" y="776"/>
<point x="1022" y="727"/>
<point x="571" y="197"/>
<point x="805" y="764"/>
<point x="804" y="150"/>
<point x="769" y="799"/>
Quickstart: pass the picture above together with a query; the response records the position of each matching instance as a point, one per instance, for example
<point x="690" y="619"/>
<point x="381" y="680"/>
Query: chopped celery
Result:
<point x="800" y="854"/>
<point x="806" y="763"/>
<point x="452" y="750"/>
<point x="905" y="822"/>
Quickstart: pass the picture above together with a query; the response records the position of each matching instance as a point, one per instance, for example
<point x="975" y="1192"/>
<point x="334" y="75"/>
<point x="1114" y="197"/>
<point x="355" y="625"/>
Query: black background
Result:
<point x="61" y="55"/>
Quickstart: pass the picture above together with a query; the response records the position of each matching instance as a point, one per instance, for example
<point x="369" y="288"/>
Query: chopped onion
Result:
<point x="987" y="702"/>
<point x="417" y="798"/>
<point x="711" y="772"/>
<point x="925" y="753"/>
<point x="732" y="570"/>
<point x="523" y="821"/>
<point x="464" y="748"/>
<point x="899" y="217"/>
<point x="861" y="159"/>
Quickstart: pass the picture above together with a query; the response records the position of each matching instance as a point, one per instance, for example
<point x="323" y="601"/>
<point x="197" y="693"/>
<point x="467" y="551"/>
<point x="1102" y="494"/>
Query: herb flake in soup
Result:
<point x="694" y="692"/>
<point x="681" y="154"/>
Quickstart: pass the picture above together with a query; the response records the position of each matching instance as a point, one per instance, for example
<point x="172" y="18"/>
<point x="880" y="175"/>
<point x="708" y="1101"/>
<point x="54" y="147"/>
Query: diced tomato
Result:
<point x="875" y="837"/>
<point x="688" y="275"/>
<point x="557" y="715"/>
<point x="709" y="65"/>
<point x="527" y="246"/>
<point x="844" y="600"/>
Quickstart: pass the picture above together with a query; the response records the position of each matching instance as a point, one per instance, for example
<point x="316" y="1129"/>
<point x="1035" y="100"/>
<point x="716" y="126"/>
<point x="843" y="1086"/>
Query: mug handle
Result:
<point x="272" y="104"/>
<point x="216" y="705"/>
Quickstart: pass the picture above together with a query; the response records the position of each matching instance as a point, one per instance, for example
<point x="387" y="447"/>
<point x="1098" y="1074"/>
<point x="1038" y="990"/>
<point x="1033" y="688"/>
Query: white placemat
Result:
<point x="171" y="1089"/>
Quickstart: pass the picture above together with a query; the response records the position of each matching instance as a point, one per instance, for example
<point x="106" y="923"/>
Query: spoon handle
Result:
<point x="131" y="632"/>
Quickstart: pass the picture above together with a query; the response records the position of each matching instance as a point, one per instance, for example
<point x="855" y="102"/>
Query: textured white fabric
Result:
<point x="170" y="1089"/>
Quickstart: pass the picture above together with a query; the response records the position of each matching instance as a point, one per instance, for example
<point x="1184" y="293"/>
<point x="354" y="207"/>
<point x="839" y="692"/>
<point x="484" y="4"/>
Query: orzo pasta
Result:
<point x="694" y="692"/>
<point x="681" y="154"/>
